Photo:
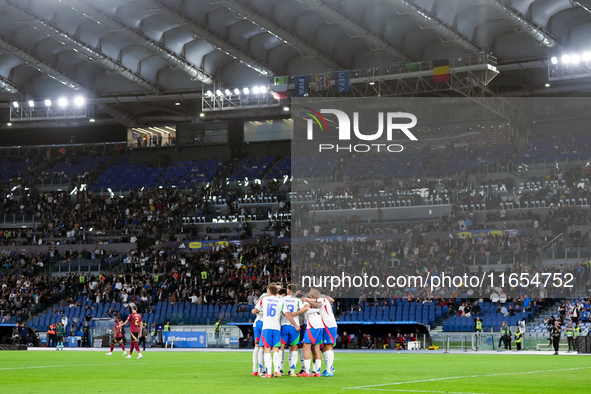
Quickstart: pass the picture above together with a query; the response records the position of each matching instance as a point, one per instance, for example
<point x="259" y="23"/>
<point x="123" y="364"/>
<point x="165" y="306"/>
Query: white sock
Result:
<point x="255" y="360"/>
<point x="276" y="361"/>
<point x="301" y="352"/>
<point x="317" y="366"/>
<point x="268" y="362"/>
<point x="329" y="359"/>
<point x="306" y="365"/>
<point x="282" y="359"/>
<point x="261" y="358"/>
<point x="286" y="356"/>
<point x="293" y="360"/>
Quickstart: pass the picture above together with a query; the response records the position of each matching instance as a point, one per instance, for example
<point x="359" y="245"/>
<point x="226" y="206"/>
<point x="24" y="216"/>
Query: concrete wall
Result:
<point x="269" y="148"/>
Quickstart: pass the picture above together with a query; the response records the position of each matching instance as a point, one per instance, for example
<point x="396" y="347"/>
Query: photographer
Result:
<point x="16" y="336"/>
<point x="153" y="334"/>
<point x="570" y="334"/>
<point x="555" y="334"/>
<point x="505" y="336"/>
<point x="550" y="322"/>
<point x="85" y="335"/>
<point x="142" y="341"/>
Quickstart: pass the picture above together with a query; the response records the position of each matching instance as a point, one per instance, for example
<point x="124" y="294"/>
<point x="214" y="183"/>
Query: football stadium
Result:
<point x="324" y="196"/>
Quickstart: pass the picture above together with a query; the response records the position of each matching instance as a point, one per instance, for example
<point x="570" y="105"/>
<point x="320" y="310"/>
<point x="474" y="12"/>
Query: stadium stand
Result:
<point x="174" y="203"/>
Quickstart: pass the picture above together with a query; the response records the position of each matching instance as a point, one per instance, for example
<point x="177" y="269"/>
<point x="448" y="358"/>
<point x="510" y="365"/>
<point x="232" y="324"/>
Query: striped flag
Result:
<point x="279" y="90"/>
<point x="441" y="70"/>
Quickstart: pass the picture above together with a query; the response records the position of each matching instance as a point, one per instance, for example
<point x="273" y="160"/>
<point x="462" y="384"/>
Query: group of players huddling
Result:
<point x="135" y="329"/>
<point x="302" y="324"/>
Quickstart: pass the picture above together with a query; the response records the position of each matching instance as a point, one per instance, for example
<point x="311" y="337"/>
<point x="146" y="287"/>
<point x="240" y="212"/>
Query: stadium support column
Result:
<point x="236" y="138"/>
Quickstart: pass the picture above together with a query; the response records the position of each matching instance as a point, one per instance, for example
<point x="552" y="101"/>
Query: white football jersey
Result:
<point x="313" y="319"/>
<point x="326" y="313"/>
<point x="273" y="307"/>
<point x="260" y="314"/>
<point x="293" y="305"/>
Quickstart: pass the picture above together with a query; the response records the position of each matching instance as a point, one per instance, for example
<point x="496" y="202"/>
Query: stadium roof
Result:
<point x="177" y="48"/>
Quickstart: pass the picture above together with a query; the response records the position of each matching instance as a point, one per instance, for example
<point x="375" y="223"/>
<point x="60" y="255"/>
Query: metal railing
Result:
<point x="52" y="181"/>
<point x="505" y="257"/>
<point x="565" y="252"/>
<point x="550" y="245"/>
<point x="68" y="266"/>
<point x="19" y="220"/>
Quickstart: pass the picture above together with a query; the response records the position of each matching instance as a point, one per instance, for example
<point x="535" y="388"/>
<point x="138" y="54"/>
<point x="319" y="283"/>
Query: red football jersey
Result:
<point x="118" y="333"/>
<point x="135" y="322"/>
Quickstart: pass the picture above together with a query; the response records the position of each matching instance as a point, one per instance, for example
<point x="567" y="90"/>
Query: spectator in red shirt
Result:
<point x="346" y="340"/>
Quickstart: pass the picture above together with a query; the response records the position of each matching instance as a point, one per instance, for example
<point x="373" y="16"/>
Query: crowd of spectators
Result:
<point x="22" y="286"/>
<point x="222" y="275"/>
<point x="24" y="282"/>
<point x="236" y="273"/>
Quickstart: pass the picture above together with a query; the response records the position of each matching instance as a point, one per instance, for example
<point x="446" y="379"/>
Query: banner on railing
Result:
<point x="206" y="245"/>
<point x="356" y="238"/>
<point x="479" y="234"/>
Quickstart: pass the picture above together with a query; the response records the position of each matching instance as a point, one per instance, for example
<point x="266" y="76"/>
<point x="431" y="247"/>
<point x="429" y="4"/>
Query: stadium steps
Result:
<point x="46" y="311"/>
<point x="552" y="310"/>
<point x="102" y="168"/>
<point x="119" y="115"/>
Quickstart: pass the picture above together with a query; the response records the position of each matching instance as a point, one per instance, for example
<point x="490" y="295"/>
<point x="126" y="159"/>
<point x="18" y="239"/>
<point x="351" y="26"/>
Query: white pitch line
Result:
<point x="374" y="358"/>
<point x="118" y="364"/>
<point x="461" y="377"/>
<point x="422" y="391"/>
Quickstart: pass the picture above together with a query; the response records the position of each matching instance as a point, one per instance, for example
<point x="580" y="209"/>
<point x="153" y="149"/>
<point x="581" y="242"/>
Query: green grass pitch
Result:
<point x="230" y="372"/>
